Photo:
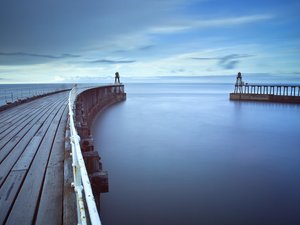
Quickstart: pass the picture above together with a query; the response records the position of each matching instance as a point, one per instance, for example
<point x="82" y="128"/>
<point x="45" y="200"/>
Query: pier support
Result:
<point x="88" y="104"/>
<point x="263" y="92"/>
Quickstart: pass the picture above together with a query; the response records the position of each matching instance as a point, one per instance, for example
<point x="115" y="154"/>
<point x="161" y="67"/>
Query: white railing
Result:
<point x="81" y="182"/>
<point x="10" y="93"/>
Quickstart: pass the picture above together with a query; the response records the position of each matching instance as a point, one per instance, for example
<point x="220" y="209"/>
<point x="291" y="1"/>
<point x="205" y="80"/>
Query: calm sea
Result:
<point x="182" y="153"/>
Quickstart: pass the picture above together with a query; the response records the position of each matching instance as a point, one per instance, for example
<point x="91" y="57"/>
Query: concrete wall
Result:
<point x="88" y="104"/>
<point x="264" y="97"/>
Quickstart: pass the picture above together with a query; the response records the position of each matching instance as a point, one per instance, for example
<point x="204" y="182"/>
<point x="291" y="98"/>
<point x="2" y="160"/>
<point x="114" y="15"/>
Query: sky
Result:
<point x="46" y="41"/>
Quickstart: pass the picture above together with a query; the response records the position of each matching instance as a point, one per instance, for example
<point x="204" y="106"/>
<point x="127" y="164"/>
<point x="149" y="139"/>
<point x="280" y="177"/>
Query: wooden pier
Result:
<point x="35" y="168"/>
<point x="31" y="161"/>
<point x="264" y="89"/>
<point x="265" y="92"/>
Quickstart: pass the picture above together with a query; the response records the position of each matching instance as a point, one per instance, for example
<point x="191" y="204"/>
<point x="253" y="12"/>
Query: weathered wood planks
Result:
<point x="32" y="141"/>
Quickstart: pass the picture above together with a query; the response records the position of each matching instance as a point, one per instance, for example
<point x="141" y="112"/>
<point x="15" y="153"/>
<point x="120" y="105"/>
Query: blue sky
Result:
<point x="73" y="41"/>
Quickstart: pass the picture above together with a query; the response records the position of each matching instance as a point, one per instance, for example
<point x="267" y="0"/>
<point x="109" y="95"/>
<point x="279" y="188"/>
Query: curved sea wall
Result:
<point x="87" y="105"/>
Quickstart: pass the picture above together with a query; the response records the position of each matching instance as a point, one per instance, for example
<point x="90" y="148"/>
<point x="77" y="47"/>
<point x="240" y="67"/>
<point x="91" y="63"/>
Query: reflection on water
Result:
<point x="185" y="154"/>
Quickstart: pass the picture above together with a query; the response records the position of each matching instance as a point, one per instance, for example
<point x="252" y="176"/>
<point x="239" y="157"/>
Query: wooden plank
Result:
<point x="8" y="122"/>
<point x="23" y="133"/>
<point x="23" y="153"/>
<point x="9" y="192"/>
<point x="11" y="106"/>
<point x="17" y="127"/>
<point x="17" y="133"/>
<point x="8" y="163"/>
<point x="25" y="150"/>
<point x="7" y="127"/>
<point x="50" y="207"/>
<point x="21" y="166"/>
<point x="28" y="196"/>
<point x="13" y="113"/>
<point x="22" y="116"/>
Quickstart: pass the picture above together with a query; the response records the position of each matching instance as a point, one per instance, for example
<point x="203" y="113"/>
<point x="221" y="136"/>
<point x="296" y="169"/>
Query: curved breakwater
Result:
<point x="88" y="104"/>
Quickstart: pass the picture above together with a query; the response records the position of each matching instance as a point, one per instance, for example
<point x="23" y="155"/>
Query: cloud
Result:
<point x="45" y="25"/>
<point x="232" y="21"/>
<point x="138" y="48"/>
<point x="230" y="64"/>
<point x="3" y="79"/>
<point x="145" y="48"/>
<point x="227" y="62"/>
<point x="28" y="58"/>
<point x="176" y="71"/>
<point x="87" y="79"/>
<point x="230" y="61"/>
<point x="107" y="61"/>
<point x="210" y="23"/>
<point x="26" y="54"/>
<point x="133" y="36"/>
<point x="203" y="58"/>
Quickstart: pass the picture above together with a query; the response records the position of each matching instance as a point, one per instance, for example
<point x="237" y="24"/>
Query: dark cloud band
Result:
<point x="112" y="61"/>
<point x="26" y="54"/>
<point x="227" y="62"/>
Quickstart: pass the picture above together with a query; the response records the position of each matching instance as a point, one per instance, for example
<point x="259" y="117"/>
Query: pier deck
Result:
<point x="32" y="139"/>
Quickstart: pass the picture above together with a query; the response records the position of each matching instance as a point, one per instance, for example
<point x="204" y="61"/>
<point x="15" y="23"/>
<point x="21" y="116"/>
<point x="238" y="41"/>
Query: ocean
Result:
<point x="177" y="151"/>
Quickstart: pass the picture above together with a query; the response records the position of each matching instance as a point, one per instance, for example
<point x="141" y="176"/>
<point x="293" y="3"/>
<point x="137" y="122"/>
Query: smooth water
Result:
<point x="182" y="153"/>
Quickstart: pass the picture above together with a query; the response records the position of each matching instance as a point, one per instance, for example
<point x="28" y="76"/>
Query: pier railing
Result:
<point x="14" y="93"/>
<point x="268" y="89"/>
<point x="82" y="186"/>
<point x="84" y="104"/>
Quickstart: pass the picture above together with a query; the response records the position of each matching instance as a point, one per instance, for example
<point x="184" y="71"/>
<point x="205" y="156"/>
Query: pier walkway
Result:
<point x="32" y="141"/>
<point x="49" y="171"/>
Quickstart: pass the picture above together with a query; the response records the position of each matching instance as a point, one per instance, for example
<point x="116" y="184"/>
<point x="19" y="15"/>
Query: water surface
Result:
<point x="182" y="153"/>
